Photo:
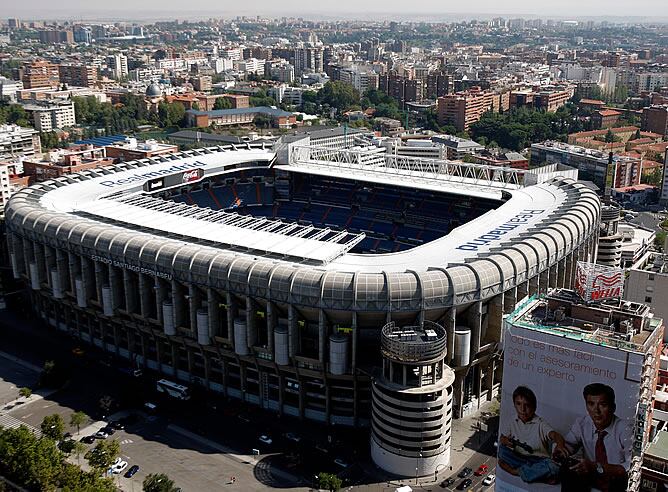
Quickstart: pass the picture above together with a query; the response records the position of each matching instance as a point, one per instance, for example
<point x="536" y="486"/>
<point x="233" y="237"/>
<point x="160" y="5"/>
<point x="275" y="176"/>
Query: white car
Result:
<point x="101" y="435"/>
<point x="119" y="467"/>
<point x="265" y="440"/>
<point x="489" y="479"/>
<point x="116" y="462"/>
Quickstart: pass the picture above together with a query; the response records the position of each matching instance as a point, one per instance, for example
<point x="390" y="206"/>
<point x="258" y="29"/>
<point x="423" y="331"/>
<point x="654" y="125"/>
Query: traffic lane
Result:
<point x="474" y="463"/>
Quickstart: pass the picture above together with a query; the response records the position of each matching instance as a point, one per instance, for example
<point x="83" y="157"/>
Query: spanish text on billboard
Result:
<point x="567" y="413"/>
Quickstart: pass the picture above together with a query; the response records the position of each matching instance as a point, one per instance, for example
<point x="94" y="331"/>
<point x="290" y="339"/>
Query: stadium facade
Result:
<point x="267" y="272"/>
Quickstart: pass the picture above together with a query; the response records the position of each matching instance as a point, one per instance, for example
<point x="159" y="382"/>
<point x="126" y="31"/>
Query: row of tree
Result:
<point x="518" y="128"/>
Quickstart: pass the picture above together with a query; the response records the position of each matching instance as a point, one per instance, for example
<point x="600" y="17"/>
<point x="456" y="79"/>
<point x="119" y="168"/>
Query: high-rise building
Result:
<point x="308" y="60"/>
<point x="655" y="119"/>
<point x="581" y="366"/>
<point x="77" y="75"/>
<point x="40" y="74"/>
<point x="118" y="64"/>
<point x="464" y="108"/>
<point x="56" y="36"/>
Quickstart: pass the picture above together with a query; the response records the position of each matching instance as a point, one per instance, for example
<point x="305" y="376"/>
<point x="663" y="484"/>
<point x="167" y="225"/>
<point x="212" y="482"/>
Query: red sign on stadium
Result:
<point x="193" y="175"/>
<point x="597" y="282"/>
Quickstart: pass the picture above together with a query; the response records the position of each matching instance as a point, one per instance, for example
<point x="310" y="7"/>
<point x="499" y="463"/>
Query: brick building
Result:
<point x="40" y="74"/>
<point x="77" y="75"/>
<point x="655" y="119"/>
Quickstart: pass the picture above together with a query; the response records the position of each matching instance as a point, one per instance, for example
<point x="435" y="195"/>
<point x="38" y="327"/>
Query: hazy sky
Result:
<point x="228" y="8"/>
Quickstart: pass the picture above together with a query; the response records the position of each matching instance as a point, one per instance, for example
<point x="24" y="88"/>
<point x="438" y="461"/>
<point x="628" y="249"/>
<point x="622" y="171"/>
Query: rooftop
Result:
<point x="659" y="447"/>
<point x="275" y="112"/>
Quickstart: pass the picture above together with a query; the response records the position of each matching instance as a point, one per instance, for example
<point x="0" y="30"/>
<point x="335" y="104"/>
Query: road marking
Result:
<point x="26" y="416"/>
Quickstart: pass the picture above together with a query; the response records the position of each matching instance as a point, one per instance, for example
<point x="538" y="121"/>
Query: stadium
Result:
<point x="268" y="271"/>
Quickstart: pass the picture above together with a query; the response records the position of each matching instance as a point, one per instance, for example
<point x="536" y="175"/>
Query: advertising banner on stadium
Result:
<point x="597" y="282"/>
<point x="568" y="413"/>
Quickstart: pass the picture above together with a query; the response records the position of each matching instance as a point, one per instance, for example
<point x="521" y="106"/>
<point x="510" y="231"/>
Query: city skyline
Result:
<point x="346" y="9"/>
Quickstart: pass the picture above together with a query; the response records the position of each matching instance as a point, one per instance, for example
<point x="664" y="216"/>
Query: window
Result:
<point x="650" y="277"/>
<point x="648" y="299"/>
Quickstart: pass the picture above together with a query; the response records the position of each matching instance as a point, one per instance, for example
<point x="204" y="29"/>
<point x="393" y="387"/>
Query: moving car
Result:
<point x="465" y="484"/>
<point x="482" y="469"/>
<point x="131" y="471"/>
<point x="447" y="482"/>
<point x="265" y="439"/>
<point x="465" y="472"/>
<point x="489" y="479"/>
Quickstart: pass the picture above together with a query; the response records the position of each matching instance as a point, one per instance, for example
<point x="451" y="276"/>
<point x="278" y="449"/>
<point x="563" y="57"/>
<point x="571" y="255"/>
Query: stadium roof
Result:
<point x="526" y="210"/>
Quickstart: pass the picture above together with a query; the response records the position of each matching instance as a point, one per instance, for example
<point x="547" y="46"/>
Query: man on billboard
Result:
<point x="605" y="442"/>
<point x="526" y="444"/>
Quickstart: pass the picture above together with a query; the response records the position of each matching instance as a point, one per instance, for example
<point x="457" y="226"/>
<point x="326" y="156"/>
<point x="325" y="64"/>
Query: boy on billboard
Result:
<point x="605" y="441"/>
<point x="525" y="444"/>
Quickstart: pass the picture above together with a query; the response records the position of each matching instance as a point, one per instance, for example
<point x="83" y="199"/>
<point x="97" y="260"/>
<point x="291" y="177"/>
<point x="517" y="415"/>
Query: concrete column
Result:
<point x="130" y="292"/>
<point x="251" y="325"/>
<point x="293" y="332"/>
<point x="522" y="290"/>
<point x="19" y="255"/>
<point x="213" y="309"/>
<point x="561" y="273"/>
<point x="271" y="324"/>
<point x="161" y="291"/>
<point x="553" y="279"/>
<point x="510" y="300"/>
<point x="495" y="318"/>
<point x="322" y="335"/>
<point x="115" y="283"/>
<point x="231" y="314"/>
<point x="355" y="334"/>
<point x="62" y="265"/>
<point x="145" y="294"/>
<point x="475" y="323"/>
<point x="178" y="302"/>
<point x="450" y="322"/>
<point x="194" y="300"/>
<point x="101" y="272"/>
<point x="74" y="266"/>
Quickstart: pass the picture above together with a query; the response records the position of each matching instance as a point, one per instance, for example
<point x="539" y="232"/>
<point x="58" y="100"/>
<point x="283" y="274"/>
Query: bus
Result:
<point x="173" y="389"/>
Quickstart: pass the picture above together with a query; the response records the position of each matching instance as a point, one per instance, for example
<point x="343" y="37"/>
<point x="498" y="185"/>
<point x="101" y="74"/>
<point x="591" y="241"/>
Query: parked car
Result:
<point x="119" y="467"/>
<point x="131" y="471"/>
<point x="265" y="439"/>
<point x="465" y="484"/>
<point x="101" y="434"/>
<point x="465" y="472"/>
<point x="482" y="469"/>
<point x="447" y="482"/>
<point x="489" y="479"/>
<point x="87" y="439"/>
<point x="109" y="430"/>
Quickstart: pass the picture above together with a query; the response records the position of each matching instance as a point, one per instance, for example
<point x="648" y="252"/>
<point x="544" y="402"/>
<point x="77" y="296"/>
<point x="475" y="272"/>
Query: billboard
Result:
<point x="568" y="413"/>
<point x="598" y="282"/>
<point x="172" y="180"/>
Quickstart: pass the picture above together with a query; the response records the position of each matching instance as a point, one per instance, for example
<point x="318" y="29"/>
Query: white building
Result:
<point x="223" y="64"/>
<point x="9" y="88"/>
<point x="283" y="72"/>
<point x="647" y="283"/>
<point x="48" y="117"/>
<point x="250" y="65"/>
<point x="17" y="142"/>
<point x="118" y="64"/>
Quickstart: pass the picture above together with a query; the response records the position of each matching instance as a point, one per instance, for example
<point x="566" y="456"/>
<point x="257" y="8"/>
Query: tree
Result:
<point x="329" y="481"/>
<point x="33" y="463"/>
<point x="77" y="419"/>
<point x="105" y="403"/>
<point x="609" y="136"/>
<point x="79" y="449"/>
<point x="25" y="392"/>
<point x="222" y="103"/>
<point x="53" y="426"/>
<point x="339" y="95"/>
<point x="103" y="454"/>
<point x="73" y="479"/>
<point x="158" y="482"/>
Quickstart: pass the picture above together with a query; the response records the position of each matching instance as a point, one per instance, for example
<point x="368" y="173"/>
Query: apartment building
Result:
<point x="49" y="116"/>
<point x="40" y="74"/>
<point x="18" y="142"/>
<point x="77" y="75"/>
<point x="66" y="161"/>
<point x="655" y="119"/>
<point x="462" y="109"/>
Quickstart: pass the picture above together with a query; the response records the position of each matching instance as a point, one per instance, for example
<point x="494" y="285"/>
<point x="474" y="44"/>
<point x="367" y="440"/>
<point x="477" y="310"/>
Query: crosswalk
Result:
<point x="9" y="422"/>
